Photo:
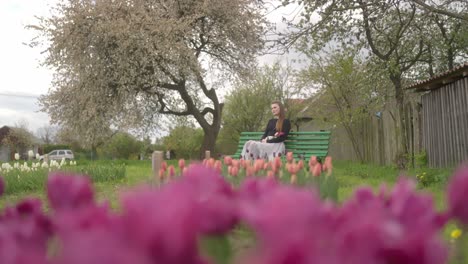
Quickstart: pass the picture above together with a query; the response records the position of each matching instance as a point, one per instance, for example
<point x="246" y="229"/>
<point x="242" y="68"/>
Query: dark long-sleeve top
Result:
<point x="271" y="130"/>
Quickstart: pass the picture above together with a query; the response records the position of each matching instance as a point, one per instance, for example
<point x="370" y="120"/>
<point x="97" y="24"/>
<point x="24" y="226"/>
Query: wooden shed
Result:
<point x="444" y="124"/>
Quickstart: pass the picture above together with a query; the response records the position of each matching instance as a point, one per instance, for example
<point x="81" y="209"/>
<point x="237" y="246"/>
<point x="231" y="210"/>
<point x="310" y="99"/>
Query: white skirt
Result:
<point x="257" y="150"/>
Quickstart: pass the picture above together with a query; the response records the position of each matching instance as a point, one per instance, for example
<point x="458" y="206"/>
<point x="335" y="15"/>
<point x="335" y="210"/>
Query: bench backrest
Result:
<point x="302" y="144"/>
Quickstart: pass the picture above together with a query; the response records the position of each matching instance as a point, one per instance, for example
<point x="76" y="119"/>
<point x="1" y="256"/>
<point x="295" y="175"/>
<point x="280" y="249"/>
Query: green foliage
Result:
<point x="217" y="248"/>
<point x="185" y="141"/>
<point x="100" y="173"/>
<point x="247" y="107"/>
<point x="18" y="139"/>
<point x="226" y="144"/>
<point x="49" y="147"/>
<point x="17" y="181"/>
<point x="121" y="146"/>
<point x="351" y="90"/>
<point x="420" y="159"/>
<point x="425" y="179"/>
<point x="327" y="187"/>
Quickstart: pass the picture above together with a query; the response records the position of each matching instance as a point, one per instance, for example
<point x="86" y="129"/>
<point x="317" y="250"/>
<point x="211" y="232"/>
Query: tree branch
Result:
<point x="440" y="11"/>
<point x="207" y="110"/>
<point x="416" y="58"/>
<point x="163" y="109"/>
<point x="370" y="40"/>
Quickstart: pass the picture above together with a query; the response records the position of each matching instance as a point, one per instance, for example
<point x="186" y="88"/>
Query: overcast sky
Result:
<point x="23" y="80"/>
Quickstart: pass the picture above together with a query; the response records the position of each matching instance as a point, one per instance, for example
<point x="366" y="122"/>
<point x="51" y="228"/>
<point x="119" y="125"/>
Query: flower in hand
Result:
<point x="279" y="134"/>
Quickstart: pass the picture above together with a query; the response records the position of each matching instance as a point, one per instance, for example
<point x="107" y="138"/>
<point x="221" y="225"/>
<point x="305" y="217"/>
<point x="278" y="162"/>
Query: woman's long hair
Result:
<point x="279" y="123"/>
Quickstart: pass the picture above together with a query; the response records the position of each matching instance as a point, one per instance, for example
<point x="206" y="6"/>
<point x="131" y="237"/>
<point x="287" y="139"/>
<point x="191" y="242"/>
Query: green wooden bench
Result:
<point x="302" y="144"/>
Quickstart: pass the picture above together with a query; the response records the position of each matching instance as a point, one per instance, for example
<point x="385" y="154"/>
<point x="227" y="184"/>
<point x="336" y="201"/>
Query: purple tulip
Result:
<point x="163" y="223"/>
<point x="24" y="232"/>
<point x="215" y="198"/>
<point x="457" y="195"/>
<point x="69" y="191"/>
<point x="2" y="186"/>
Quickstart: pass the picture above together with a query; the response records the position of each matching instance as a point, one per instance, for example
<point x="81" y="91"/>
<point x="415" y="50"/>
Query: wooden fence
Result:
<point x="445" y="124"/>
<point x="436" y="122"/>
<point x="376" y="136"/>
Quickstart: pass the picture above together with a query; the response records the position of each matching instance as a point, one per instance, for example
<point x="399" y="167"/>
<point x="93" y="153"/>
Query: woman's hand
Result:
<point x="264" y="140"/>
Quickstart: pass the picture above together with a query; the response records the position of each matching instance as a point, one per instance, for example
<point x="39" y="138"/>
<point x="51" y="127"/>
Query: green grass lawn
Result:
<point x="348" y="176"/>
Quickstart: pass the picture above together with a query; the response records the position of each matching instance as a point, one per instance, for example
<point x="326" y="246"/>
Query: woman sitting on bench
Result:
<point x="271" y="144"/>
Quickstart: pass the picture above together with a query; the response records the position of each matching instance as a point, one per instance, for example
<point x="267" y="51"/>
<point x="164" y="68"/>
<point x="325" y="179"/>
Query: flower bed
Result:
<point x="291" y="224"/>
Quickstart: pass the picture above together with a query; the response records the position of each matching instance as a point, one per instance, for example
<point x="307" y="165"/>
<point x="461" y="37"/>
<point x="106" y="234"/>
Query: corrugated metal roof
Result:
<point x="441" y="79"/>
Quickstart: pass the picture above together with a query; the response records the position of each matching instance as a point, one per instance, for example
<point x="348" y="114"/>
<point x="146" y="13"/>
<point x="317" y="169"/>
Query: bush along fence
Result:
<point x="291" y="224"/>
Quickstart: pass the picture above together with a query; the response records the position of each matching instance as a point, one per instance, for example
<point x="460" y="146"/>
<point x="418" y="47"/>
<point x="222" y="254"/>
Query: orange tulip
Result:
<point x="289" y="156"/>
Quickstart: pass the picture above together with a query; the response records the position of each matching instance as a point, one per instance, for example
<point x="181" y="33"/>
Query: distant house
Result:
<point x="19" y="141"/>
<point x="444" y="126"/>
<point x="304" y="114"/>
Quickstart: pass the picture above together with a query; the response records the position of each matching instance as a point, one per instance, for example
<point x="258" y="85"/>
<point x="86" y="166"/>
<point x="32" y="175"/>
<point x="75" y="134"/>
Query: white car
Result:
<point x="59" y="154"/>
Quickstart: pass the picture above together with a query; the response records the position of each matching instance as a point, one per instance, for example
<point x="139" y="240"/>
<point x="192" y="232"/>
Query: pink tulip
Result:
<point x="313" y="161"/>
<point x="270" y="175"/>
<point x="227" y="160"/>
<point x="317" y="170"/>
<point x="327" y="165"/>
<point x="161" y="174"/>
<point x="218" y="166"/>
<point x="300" y="164"/>
<point x="171" y="172"/>
<point x="278" y="162"/>
<point x="235" y="163"/>
<point x="181" y="164"/>
<point x="234" y="171"/>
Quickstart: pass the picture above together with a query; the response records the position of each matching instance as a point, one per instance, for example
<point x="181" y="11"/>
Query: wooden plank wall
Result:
<point x="376" y="136"/>
<point x="445" y="124"/>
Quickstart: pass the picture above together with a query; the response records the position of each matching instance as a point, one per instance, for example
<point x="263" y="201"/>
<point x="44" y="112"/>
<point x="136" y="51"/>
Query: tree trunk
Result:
<point x="450" y="58"/>
<point x="211" y="131"/>
<point x="209" y="140"/>
<point x="402" y="154"/>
